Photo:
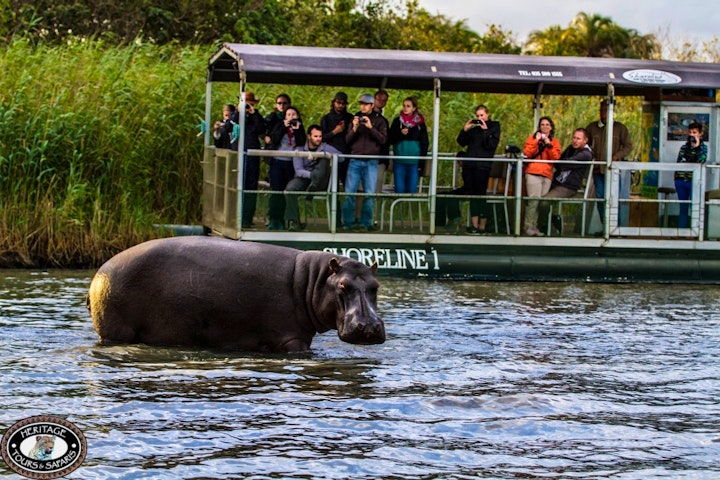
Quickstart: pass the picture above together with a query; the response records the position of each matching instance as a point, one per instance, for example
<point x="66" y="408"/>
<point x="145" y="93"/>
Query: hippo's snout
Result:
<point x="362" y="331"/>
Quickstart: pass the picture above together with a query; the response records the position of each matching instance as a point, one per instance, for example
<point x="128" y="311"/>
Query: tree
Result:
<point x="592" y="35"/>
<point x="396" y="24"/>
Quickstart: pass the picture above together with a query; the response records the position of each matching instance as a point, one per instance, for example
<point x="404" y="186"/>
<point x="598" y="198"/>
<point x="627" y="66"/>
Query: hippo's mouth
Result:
<point x="357" y="331"/>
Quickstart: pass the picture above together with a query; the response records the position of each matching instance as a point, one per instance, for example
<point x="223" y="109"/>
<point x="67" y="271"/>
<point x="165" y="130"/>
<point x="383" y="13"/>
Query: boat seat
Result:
<point x="582" y="198"/>
<point x="665" y="191"/>
<point x="420" y="199"/>
<point x="311" y="199"/>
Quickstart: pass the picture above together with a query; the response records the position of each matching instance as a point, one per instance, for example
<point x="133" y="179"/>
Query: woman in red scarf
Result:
<point x="409" y="138"/>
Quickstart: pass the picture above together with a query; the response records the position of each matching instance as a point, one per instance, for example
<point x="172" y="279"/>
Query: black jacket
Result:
<point x="328" y="123"/>
<point x="570" y="175"/>
<point x="480" y="143"/>
<point x="280" y="130"/>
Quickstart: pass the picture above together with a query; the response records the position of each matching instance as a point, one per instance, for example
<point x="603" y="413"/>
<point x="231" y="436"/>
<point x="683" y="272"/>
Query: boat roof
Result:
<point x="462" y="72"/>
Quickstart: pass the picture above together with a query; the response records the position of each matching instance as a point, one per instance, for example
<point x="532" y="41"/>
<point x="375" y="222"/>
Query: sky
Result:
<point x="679" y="21"/>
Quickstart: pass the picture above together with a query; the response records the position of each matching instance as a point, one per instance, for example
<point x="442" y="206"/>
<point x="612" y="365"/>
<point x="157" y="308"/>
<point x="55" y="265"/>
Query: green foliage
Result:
<point x="96" y="145"/>
<point x="592" y="36"/>
<point x="398" y="24"/>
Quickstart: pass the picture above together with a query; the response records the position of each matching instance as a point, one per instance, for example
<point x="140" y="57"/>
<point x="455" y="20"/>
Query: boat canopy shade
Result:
<point x="462" y="72"/>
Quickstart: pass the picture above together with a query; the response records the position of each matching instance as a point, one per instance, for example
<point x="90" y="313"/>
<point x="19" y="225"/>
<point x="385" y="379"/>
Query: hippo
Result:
<point x="235" y="295"/>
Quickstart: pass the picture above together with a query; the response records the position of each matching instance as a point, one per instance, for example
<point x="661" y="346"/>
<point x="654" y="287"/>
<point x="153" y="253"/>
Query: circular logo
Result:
<point x="43" y="447"/>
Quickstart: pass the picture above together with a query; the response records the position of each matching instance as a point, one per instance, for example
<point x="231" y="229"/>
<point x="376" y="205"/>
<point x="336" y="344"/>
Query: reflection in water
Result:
<point x="503" y="380"/>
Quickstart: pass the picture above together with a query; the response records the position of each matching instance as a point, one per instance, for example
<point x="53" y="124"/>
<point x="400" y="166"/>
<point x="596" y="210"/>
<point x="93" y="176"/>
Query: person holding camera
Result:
<point x="334" y="125"/>
<point x="692" y="151"/>
<point x="287" y="135"/>
<point x="222" y="130"/>
<point x="366" y="136"/>
<point x="254" y="129"/>
<point x="481" y="137"/>
<point x="282" y="103"/>
<point x="540" y="145"/>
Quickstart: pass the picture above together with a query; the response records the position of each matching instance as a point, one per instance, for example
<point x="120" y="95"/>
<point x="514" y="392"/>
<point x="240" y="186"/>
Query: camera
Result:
<point x="294" y="122"/>
<point x="691" y="140"/>
<point x="477" y="122"/>
<point x="361" y="119"/>
<point x="247" y="106"/>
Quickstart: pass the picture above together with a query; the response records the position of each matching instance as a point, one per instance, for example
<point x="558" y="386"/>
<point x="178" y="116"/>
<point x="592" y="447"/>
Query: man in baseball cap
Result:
<point x="366" y="136"/>
<point x="366" y="98"/>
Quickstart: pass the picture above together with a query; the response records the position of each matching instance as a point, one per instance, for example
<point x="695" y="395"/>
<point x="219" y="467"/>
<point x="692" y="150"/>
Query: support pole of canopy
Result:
<point x="241" y="144"/>
<point x="435" y="138"/>
<point x="537" y="106"/>
<point x="609" y="192"/>
<point x="208" y="110"/>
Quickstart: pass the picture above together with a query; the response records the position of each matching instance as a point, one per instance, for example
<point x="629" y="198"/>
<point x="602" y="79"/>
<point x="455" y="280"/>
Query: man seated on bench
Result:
<point x="568" y="177"/>
<point x="311" y="175"/>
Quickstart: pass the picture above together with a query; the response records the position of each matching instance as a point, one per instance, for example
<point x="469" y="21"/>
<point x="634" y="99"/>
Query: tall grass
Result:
<point x="98" y="143"/>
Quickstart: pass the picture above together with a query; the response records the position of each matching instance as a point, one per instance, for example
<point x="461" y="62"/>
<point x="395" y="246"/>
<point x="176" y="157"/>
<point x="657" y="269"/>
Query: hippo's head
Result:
<point x="356" y="289"/>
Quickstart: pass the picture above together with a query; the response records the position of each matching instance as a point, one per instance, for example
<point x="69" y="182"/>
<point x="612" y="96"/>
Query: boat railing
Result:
<point x="630" y="212"/>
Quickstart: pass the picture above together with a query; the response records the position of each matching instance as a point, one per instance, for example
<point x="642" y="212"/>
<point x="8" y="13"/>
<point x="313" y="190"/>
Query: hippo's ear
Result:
<point x="373" y="268"/>
<point x="334" y="265"/>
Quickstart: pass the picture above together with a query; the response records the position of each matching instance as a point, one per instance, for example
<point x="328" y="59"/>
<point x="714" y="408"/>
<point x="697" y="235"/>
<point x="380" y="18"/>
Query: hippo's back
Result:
<point x="193" y="291"/>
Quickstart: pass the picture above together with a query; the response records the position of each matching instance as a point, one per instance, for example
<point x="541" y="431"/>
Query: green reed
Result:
<point x="98" y="142"/>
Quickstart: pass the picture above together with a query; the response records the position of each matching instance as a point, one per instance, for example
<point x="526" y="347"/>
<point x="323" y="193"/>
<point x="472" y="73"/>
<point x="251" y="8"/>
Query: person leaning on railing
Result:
<point x="693" y="151"/>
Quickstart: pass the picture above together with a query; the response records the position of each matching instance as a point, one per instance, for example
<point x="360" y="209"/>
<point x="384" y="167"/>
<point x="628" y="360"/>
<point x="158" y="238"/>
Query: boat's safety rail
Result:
<point x="627" y="209"/>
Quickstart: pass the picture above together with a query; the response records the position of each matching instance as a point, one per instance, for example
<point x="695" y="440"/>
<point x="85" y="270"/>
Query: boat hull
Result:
<point x="518" y="258"/>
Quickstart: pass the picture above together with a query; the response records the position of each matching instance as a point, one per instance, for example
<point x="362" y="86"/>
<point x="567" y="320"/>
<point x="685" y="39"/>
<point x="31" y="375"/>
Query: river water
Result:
<point x="491" y="380"/>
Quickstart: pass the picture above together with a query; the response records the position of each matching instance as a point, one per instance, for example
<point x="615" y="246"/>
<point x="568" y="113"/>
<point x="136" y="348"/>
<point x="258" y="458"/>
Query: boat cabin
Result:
<point x="639" y="240"/>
